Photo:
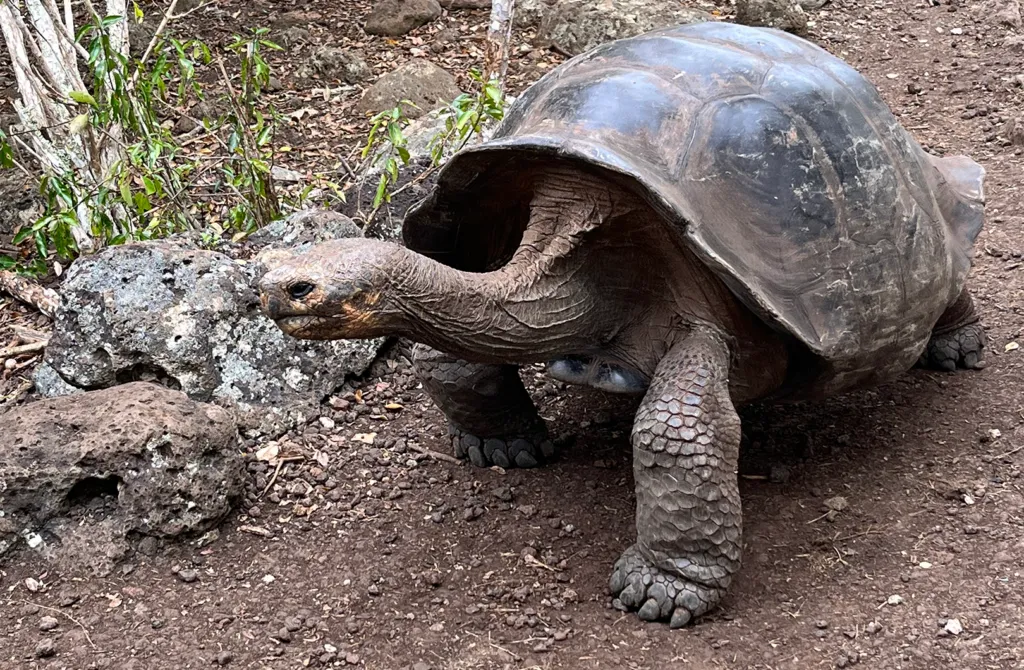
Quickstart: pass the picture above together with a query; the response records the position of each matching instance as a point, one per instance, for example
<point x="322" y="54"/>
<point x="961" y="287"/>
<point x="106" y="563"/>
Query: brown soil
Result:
<point x="377" y="555"/>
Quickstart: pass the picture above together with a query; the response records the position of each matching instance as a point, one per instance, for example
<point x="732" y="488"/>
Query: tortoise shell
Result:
<point x="777" y="163"/>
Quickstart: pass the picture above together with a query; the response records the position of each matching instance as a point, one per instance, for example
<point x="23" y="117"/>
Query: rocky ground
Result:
<point x="884" y="529"/>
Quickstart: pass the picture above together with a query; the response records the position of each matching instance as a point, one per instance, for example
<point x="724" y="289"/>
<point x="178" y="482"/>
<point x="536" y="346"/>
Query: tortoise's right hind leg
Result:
<point x="958" y="339"/>
<point x="492" y="420"/>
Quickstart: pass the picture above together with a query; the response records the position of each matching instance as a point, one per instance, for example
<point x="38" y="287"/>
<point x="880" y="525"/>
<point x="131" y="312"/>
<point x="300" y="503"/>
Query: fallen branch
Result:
<point x="32" y="348"/>
<point x="29" y="292"/>
<point x="437" y="456"/>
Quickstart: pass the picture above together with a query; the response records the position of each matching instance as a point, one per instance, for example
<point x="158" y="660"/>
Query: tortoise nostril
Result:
<point x="300" y="290"/>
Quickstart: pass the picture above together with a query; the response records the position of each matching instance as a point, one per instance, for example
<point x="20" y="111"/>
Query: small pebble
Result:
<point x="873" y="627"/>
<point x="47" y="623"/>
<point x="224" y="657"/>
<point x="45" y="648"/>
<point x="352" y="659"/>
<point x="188" y="576"/>
<point x="953" y="627"/>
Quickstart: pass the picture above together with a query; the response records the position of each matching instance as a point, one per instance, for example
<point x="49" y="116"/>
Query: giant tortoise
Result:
<point x="708" y="215"/>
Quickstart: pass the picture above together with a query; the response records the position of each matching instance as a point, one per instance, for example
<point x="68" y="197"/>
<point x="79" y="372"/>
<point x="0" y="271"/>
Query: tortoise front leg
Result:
<point x="492" y="420"/>
<point x="686" y="440"/>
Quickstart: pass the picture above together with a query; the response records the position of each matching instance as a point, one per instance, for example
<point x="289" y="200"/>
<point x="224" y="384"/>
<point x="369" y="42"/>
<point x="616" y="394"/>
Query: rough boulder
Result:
<point x="80" y="474"/>
<point x="419" y="81"/>
<point x="786" y="15"/>
<point x="398" y="17"/>
<point x="576" y="26"/>
<point x="189" y="318"/>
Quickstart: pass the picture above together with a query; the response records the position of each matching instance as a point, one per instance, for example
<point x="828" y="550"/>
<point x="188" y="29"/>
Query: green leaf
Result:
<point x="464" y="118"/>
<point x="83" y="97"/>
<point x="22" y="235"/>
<point x="382" y="188"/>
<point x="142" y="203"/>
<point x="6" y="154"/>
<point x="7" y="262"/>
<point x="395" y="135"/>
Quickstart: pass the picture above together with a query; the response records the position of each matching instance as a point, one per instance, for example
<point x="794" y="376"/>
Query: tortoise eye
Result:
<point x="300" y="290"/>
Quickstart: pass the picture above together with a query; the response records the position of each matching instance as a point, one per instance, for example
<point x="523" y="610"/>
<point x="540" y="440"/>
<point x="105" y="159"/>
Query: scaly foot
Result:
<point x="507" y="452"/>
<point x="961" y="347"/>
<point x="658" y="595"/>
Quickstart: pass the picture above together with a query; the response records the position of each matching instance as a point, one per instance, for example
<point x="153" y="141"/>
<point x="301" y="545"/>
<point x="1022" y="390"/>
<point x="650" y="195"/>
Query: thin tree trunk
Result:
<point x="45" y="60"/>
<point x="499" y="38"/>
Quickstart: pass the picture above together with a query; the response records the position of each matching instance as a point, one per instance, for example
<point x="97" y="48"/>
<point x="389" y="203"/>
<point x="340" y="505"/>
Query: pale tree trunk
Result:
<point x="45" y="57"/>
<point x="499" y="38"/>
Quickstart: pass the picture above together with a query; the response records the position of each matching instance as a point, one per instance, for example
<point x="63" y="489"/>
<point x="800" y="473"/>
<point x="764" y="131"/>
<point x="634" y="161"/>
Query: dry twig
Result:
<point x="437" y="456"/>
<point x="65" y="615"/>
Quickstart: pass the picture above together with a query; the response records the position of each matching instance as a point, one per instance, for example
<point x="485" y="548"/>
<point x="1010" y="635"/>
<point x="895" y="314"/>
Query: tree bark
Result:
<point x="499" y="38"/>
<point x="28" y="292"/>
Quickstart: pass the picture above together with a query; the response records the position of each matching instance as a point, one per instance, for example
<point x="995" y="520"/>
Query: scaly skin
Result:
<point x="492" y="420"/>
<point x="958" y="340"/>
<point x="686" y="440"/>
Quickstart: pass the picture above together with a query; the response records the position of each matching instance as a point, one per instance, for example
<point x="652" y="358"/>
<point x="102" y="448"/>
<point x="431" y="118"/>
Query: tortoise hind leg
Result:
<point x="492" y="420"/>
<point x="958" y="339"/>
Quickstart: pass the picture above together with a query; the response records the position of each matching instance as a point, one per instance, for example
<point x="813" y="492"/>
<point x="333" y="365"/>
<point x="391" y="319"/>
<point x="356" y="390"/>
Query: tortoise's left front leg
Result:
<point x="686" y="440"/>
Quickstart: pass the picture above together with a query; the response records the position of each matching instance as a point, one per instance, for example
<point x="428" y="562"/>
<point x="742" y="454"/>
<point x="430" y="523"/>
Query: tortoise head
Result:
<point x="336" y="290"/>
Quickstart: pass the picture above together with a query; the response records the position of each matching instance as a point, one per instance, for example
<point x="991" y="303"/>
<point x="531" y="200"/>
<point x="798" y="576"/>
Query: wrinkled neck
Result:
<point x="534" y="308"/>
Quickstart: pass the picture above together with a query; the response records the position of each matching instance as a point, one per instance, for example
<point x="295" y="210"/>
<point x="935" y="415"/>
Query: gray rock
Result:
<point x="786" y="15"/>
<point x="576" y="26"/>
<point x="1013" y="130"/>
<point x="51" y="384"/>
<point x="80" y="473"/>
<point x="528" y="13"/>
<point x="419" y="81"/>
<point x="45" y="648"/>
<point x="300" y="231"/>
<point x="335" y="63"/>
<point x="190" y="319"/>
<point x="292" y="36"/>
<point x="1003" y="12"/>
<point x="398" y="17"/>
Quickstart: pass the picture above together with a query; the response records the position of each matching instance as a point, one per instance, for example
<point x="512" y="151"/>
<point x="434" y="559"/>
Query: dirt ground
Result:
<point x="362" y="551"/>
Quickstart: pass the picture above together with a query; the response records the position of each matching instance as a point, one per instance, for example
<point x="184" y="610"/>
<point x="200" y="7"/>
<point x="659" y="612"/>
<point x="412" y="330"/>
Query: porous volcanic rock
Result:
<point x="190" y="318"/>
<point x="419" y="81"/>
<point x="398" y="17"/>
<point x="80" y="473"/>
<point x="576" y="26"/>
<point x="786" y="15"/>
